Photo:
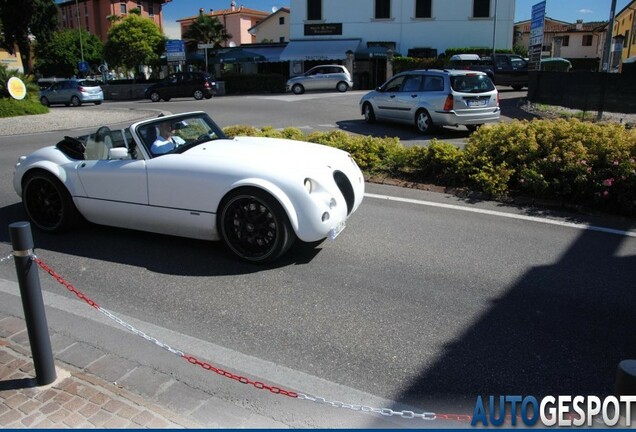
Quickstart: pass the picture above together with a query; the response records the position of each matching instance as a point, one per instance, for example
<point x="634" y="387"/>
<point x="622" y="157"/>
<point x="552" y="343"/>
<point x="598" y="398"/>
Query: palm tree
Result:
<point x="206" y="29"/>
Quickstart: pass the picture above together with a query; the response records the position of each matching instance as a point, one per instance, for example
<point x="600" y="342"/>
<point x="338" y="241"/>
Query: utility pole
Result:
<point x="494" y="34"/>
<point x="608" y="39"/>
<point x="79" y="28"/>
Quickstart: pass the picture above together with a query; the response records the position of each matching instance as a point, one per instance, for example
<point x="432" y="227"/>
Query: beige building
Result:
<point x="624" y="34"/>
<point x="274" y="28"/>
<point x="95" y="16"/>
<point x="237" y="20"/>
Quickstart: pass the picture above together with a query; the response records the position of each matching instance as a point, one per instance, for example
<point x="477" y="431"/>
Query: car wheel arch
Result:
<point x="47" y="167"/>
<point x="271" y="189"/>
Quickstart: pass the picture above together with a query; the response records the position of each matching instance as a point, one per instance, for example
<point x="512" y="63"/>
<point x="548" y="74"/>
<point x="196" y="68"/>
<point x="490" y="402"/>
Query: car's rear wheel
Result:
<point x="473" y="128"/>
<point x="517" y="87"/>
<point x="298" y="89"/>
<point x="198" y="94"/>
<point x="369" y="114"/>
<point x="45" y="101"/>
<point x="342" y="87"/>
<point x="47" y="202"/>
<point x="155" y="97"/>
<point x="98" y="103"/>
<point x="254" y="225"/>
<point x="75" y="101"/>
<point x="423" y="121"/>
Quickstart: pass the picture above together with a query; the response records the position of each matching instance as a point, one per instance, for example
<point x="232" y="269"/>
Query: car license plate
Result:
<point x="477" y="102"/>
<point x="333" y="232"/>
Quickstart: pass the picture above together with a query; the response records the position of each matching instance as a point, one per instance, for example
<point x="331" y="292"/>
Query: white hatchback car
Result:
<point x="326" y="77"/>
<point x="430" y="98"/>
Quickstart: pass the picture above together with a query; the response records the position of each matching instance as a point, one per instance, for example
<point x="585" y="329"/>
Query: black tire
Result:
<point x="198" y="94"/>
<point x="473" y="128"/>
<point x="98" y="103"/>
<point x="47" y="202"/>
<point x="254" y="225"/>
<point x="369" y="114"/>
<point x="45" y="101"/>
<point x="209" y="96"/>
<point x="423" y="121"/>
<point x="298" y="89"/>
<point x="517" y="87"/>
<point x="167" y="99"/>
<point x="155" y="97"/>
<point x="342" y="87"/>
<point x="75" y="101"/>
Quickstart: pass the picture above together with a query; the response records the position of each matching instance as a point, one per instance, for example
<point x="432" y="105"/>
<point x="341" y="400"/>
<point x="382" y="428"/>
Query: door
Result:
<point x="387" y="101"/>
<point x="406" y="101"/>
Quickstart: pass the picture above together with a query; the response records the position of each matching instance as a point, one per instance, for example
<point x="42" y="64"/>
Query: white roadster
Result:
<point x="258" y="195"/>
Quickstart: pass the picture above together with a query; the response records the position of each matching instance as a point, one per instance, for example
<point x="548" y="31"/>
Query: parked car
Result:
<point x="326" y="77"/>
<point x="182" y="84"/>
<point x="257" y="195"/>
<point x="431" y="98"/>
<point x="72" y="92"/>
<point x="508" y="69"/>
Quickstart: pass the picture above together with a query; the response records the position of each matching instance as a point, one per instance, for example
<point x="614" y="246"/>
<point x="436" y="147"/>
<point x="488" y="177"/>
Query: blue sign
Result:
<point x="175" y="46"/>
<point x="83" y="66"/>
<point x="536" y="24"/>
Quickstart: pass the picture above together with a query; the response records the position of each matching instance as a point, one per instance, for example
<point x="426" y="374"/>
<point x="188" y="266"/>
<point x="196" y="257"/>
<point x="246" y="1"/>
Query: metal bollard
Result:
<point x="626" y="384"/>
<point x="32" y="303"/>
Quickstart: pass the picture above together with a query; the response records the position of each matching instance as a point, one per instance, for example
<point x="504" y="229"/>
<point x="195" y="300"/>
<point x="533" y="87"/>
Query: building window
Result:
<point x="481" y="8"/>
<point x="566" y="41"/>
<point x="314" y="10"/>
<point x="281" y="39"/>
<point x="423" y="9"/>
<point x="151" y="9"/>
<point x="123" y="9"/>
<point x="587" y="40"/>
<point x="281" y="20"/>
<point x="382" y="9"/>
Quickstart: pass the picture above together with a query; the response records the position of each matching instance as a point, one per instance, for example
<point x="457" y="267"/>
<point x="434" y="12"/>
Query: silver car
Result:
<point x="72" y="92"/>
<point x="430" y="98"/>
<point x="326" y="77"/>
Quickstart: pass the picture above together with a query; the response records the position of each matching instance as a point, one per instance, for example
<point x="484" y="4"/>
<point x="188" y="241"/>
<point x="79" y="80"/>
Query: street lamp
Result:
<point x="494" y="32"/>
<point x="79" y="28"/>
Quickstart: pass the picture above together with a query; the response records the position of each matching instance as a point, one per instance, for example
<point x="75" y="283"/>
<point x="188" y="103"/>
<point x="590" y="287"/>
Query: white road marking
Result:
<point x="580" y="226"/>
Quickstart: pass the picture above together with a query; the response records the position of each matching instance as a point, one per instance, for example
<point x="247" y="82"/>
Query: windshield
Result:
<point x="471" y="83"/>
<point x="176" y="134"/>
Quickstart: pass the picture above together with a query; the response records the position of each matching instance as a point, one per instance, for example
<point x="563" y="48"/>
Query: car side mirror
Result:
<point x="118" y="153"/>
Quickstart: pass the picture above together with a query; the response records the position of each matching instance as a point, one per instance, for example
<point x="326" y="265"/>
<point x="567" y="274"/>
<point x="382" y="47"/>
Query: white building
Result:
<point x="325" y="30"/>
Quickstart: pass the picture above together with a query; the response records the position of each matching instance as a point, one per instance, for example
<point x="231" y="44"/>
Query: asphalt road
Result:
<point x="424" y="299"/>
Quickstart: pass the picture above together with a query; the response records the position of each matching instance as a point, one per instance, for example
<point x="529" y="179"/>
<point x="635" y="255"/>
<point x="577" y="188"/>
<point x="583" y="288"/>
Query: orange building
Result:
<point x="93" y="15"/>
<point x="236" y="20"/>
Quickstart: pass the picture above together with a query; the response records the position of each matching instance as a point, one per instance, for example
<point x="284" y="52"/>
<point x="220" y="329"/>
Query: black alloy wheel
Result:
<point x="254" y="225"/>
<point x="48" y="203"/>
<point x="369" y="114"/>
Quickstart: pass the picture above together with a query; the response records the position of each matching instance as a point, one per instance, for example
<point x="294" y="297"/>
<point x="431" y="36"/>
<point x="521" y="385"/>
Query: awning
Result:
<point x="372" y="52"/>
<point x="332" y="49"/>
<point x="270" y="54"/>
<point x="237" y="55"/>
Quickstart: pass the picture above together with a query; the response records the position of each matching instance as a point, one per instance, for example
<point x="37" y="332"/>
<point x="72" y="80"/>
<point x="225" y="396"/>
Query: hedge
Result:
<point x="570" y="161"/>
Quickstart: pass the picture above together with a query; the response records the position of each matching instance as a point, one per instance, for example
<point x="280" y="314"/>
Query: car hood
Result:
<point x="268" y="152"/>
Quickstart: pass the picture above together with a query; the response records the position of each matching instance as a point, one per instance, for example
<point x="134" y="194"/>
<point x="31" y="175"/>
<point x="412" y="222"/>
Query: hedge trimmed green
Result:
<point x="574" y="162"/>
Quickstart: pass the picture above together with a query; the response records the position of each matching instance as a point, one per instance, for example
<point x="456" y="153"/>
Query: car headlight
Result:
<point x="308" y="185"/>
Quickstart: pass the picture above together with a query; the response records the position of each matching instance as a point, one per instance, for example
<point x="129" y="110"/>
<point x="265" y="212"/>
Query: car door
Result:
<point x="171" y="86"/>
<point x="314" y="80"/>
<point x="407" y="99"/>
<point x="386" y="99"/>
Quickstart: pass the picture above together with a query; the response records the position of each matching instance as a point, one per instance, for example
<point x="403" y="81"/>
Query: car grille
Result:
<point x="346" y="189"/>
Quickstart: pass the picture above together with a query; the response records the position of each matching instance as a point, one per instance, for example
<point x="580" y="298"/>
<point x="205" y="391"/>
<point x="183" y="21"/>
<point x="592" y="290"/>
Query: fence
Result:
<point x="586" y="91"/>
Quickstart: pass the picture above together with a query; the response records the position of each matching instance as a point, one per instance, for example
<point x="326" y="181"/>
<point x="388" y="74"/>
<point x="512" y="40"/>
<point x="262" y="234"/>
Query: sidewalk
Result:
<point x="74" y="400"/>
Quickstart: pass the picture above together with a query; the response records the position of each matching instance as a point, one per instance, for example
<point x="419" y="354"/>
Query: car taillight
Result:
<point x="81" y="89"/>
<point x="207" y="85"/>
<point x="497" y="99"/>
<point x="448" y="105"/>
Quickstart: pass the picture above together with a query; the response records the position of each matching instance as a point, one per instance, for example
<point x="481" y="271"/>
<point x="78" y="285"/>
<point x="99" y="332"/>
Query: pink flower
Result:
<point x="605" y="194"/>
<point x="583" y="162"/>
<point x="608" y="182"/>
<point x="615" y="162"/>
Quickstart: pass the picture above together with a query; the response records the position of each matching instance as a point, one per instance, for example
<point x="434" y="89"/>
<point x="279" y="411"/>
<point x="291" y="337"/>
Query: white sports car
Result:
<point x="258" y="195"/>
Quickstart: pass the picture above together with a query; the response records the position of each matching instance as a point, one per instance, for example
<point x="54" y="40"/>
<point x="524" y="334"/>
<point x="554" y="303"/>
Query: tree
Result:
<point x="206" y="29"/>
<point x="134" y="41"/>
<point x="20" y="19"/>
<point x="59" y="57"/>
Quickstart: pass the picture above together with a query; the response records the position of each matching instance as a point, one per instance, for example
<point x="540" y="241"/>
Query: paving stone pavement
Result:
<point x="75" y="400"/>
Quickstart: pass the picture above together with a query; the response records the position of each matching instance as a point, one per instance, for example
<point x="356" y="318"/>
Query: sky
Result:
<point x="562" y="10"/>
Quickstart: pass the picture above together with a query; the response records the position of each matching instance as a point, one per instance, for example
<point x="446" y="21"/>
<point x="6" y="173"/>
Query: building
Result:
<point x="571" y="41"/>
<point x="326" y="30"/>
<point x="236" y="20"/>
<point x="624" y="36"/>
<point x="96" y="16"/>
<point x="274" y="28"/>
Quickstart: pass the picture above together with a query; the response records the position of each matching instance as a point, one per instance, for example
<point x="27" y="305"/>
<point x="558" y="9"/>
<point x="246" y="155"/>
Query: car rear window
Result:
<point x="88" y="83"/>
<point x="471" y="83"/>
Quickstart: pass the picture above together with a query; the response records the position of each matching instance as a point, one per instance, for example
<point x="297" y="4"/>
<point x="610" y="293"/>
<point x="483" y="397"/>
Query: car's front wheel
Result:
<point x="44" y="101"/>
<point x="254" y="225"/>
<point x="155" y="97"/>
<point x="342" y="87"/>
<point x="198" y="94"/>
<point x="369" y="114"/>
<point x="47" y="202"/>
<point x="423" y="121"/>
<point x="298" y="89"/>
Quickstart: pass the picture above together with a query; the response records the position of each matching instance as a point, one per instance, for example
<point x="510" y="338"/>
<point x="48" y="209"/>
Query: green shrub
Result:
<point x="240" y="130"/>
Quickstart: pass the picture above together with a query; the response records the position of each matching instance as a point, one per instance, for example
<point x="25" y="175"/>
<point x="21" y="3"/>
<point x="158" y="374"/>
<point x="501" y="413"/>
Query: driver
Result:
<point x="166" y="141"/>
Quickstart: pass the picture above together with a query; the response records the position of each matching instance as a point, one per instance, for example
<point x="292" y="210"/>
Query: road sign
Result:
<point x="175" y="50"/>
<point x="205" y="46"/>
<point x="83" y="66"/>
<point x="536" y="35"/>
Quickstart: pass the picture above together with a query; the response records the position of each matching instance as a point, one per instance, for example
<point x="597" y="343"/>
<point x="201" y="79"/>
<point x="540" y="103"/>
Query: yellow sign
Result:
<point x="16" y="87"/>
